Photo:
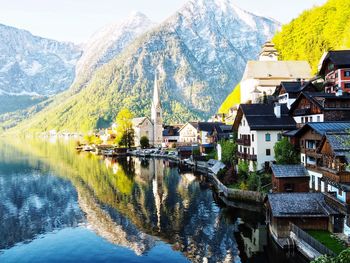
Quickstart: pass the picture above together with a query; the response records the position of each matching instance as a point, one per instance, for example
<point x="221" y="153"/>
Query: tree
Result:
<point x="228" y="152"/>
<point x="124" y="130"/>
<point x="285" y="152"/>
<point x="343" y="257"/>
<point x="144" y="142"/>
<point x="243" y="170"/>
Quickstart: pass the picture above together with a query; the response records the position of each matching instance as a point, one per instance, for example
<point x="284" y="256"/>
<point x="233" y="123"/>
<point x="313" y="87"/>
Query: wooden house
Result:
<point x="308" y="211"/>
<point x="334" y="150"/>
<point x="289" y="178"/>
<point x="335" y="68"/>
<point x="308" y="139"/>
<point x="320" y="107"/>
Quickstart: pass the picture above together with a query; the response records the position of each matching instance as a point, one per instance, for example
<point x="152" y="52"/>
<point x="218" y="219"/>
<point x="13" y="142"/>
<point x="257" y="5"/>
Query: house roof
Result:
<point x="337" y="57"/>
<point x="171" y="131"/>
<point x="192" y="123"/>
<point x="323" y="127"/>
<point x="277" y="69"/>
<point x="319" y="99"/>
<point x="299" y="205"/>
<point x="282" y="171"/>
<point x="340" y="142"/>
<point x="262" y="117"/>
<point x="293" y="88"/>
<point x="138" y="121"/>
<point x="208" y="126"/>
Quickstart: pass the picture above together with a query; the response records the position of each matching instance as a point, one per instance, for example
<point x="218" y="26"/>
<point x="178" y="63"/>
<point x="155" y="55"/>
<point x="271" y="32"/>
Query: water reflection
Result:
<point x="129" y="202"/>
<point x="32" y="202"/>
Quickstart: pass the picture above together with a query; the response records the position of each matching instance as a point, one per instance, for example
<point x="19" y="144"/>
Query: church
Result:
<point x="152" y="127"/>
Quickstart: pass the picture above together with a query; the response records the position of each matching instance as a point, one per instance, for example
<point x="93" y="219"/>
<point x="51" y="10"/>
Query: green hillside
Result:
<point x="315" y="31"/>
<point x="307" y="37"/>
<point x="232" y="99"/>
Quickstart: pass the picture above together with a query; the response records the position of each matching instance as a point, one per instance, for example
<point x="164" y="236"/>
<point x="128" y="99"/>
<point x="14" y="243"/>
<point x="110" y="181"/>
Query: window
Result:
<point x="289" y="187"/>
<point x="252" y="137"/>
<point x="267" y="137"/>
<point x="347" y="85"/>
<point x="318" y="118"/>
<point x="268" y="152"/>
<point x="252" y="150"/>
<point x="243" y="122"/>
<point x="279" y="136"/>
<point x="158" y="114"/>
<point x="340" y="192"/>
<point x="347" y="73"/>
<point x="302" y="119"/>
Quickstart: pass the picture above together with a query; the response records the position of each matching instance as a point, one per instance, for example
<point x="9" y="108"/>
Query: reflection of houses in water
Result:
<point x="254" y="238"/>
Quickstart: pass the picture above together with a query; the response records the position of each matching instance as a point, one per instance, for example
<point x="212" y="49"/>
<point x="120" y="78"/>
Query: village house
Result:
<point x="288" y="91"/>
<point x="171" y="135"/>
<point x="258" y="128"/>
<point x="308" y="139"/>
<point x="262" y="77"/>
<point x="308" y="211"/>
<point x="320" y="107"/>
<point x="142" y="126"/>
<point x="334" y="66"/>
<point x="198" y="132"/>
<point x="220" y="132"/>
<point x="188" y="134"/>
<point x="289" y="178"/>
<point x="334" y="150"/>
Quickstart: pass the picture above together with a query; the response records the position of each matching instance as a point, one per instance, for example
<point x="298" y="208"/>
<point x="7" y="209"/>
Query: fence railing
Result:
<point x="301" y="234"/>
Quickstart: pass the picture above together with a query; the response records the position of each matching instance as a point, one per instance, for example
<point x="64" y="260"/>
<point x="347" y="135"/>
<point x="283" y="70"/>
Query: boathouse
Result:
<point x="308" y="211"/>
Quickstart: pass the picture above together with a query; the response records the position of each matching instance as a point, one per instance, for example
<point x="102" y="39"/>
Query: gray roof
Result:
<point x="299" y="204"/>
<point x="282" y="171"/>
<point x="340" y="142"/>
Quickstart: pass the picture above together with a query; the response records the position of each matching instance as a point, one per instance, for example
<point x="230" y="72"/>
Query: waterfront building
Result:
<point x="200" y="132"/>
<point x="334" y="161"/>
<point x="188" y="133"/>
<point x="308" y="139"/>
<point x="289" y="178"/>
<point x="334" y="66"/>
<point x="171" y="135"/>
<point x="308" y="211"/>
<point x="142" y="126"/>
<point x="258" y="128"/>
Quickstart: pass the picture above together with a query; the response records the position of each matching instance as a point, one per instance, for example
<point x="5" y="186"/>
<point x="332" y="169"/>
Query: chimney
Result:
<point x="277" y="110"/>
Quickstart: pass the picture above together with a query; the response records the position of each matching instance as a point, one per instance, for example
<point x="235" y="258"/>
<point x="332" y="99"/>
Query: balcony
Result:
<point x="247" y="157"/>
<point x="302" y="112"/>
<point x="244" y="142"/>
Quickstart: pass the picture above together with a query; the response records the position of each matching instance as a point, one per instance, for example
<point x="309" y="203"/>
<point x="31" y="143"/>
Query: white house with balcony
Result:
<point x="258" y="128"/>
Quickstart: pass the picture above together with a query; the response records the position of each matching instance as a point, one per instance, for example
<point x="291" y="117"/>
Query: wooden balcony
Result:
<point x="339" y="177"/>
<point x="244" y="142"/>
<point x="302" y="112"/>
<point x="247" y="157"/>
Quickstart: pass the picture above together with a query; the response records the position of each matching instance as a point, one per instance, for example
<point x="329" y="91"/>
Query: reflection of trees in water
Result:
<point x="147" y="198"/>
<point x="32" y="203"/>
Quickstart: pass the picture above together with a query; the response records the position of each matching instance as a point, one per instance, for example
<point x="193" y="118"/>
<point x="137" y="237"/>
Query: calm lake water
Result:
<point x="57" y="205"/>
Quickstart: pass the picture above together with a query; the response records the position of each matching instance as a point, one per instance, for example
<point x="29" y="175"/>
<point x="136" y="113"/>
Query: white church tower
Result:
<point x="156" y="115"/>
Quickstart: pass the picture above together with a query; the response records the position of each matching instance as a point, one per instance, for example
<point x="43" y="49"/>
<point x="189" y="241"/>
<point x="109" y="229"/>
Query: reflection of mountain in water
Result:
<point x="33" y="203"/>
<point x="128" y="201"/>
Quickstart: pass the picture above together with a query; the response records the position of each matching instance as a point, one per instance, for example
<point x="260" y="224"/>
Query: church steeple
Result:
<point x="156" y="114"/>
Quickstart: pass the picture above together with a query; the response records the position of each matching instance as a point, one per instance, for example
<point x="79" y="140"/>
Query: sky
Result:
<point x="77" y="20"/>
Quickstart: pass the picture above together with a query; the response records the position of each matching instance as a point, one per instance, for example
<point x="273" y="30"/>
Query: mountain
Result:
<point x="31" y="65"/>
<point x="108" y="42"/>
<point x="315" y="31"/>
<point x="23" y="100"/>
<point x="200" y="53"/>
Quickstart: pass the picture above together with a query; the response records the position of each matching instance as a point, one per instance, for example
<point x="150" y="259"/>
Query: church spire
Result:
<point x="156" y="98"/>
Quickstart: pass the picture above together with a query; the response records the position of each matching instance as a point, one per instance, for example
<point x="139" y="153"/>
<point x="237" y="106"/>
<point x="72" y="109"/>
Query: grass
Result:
<point x="327" y="239"/>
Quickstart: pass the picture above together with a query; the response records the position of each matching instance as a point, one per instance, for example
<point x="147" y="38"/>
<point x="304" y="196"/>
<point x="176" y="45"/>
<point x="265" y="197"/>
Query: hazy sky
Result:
<point x="76" y="20"/>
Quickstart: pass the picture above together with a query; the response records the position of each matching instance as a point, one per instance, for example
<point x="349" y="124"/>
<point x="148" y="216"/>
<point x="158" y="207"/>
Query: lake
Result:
<point x="57" y="205"/>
